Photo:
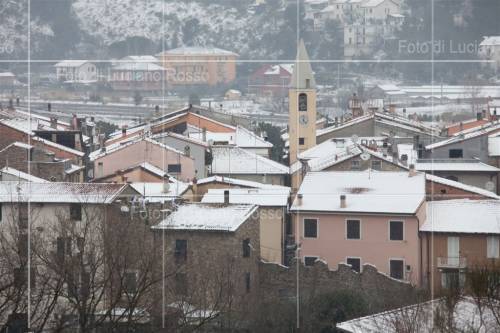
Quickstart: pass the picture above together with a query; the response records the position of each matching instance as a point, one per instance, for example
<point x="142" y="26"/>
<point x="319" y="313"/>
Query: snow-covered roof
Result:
<point x="18" y="144"/>
<point x="241" y="137"/>
<point x="338" y="150"/>
<point x="22" y="176"/>
<point x="198" y="51"/>
<point x="48" y="192"/>
<point x="158" y="192"/>
<point x="180" y="137"/>
<point x="7" y="74"/>
<point x="463" y="216"/>
<point x="207" y="217"/>
<point x="462" y="186"/>
<point x="58" y="146"/>
<point x="235" y="160"/>
<point x="276" y="69"/>
<point x="238" y="182"/>
<point x="454" y="165"/>
<point x="112" y="148"/>
<point x="349" y="123"/>
<point x="466" y="315"/>
<point x="138" y="66"/>
<point x="490" y="41"/>
<point x="153" y="169"/>
<point x="141" y="58"/>
<point x="466" y="135"/>
<point x="366" y="191"/>
<point x="255" y="196"/>
<point x="71" y="63"/>
<point x="372" y="3"/>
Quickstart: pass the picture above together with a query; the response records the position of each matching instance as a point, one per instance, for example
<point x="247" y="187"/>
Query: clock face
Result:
<point x="303" y="119"/>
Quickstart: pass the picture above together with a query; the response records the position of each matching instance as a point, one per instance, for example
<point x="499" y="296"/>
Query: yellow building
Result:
<point x="302" y="106"/>
<point x="198" y="66"/>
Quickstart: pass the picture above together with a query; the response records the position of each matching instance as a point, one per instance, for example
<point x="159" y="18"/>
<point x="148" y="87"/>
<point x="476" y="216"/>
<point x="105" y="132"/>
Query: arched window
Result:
<point x="303" y="102"/>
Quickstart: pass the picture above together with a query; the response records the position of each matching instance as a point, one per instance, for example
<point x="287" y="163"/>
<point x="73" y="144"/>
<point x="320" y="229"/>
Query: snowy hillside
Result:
<point x="210" y="24"/>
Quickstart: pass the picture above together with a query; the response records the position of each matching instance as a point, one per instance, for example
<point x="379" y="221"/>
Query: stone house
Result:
<point x="273" y="212"/>
<point x="213" y="252"/>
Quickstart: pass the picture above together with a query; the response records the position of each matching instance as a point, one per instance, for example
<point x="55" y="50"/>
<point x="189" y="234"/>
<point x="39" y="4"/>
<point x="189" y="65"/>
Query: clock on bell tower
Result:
<point x="302" y="106"/>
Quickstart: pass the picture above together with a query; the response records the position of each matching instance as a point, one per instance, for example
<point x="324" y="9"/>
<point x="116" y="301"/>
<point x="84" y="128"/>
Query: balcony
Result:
<point x="452" y="262"/>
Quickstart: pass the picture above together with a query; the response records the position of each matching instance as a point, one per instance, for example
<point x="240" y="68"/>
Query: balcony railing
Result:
<point x="452" y="262"/>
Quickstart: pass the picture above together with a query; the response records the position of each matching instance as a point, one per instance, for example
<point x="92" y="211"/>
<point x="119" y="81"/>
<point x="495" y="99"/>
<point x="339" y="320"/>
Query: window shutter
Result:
<point x="493" y="247"/>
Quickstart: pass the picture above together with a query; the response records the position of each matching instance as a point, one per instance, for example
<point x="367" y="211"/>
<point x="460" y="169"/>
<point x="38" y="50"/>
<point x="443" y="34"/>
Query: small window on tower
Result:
<point x="302" y="141"/>
<point x="303" y="102"/>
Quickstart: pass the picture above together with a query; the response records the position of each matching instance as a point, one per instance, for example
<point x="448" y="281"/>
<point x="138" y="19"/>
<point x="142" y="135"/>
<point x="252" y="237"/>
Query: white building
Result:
<point x="489" y="49"/>
<point x="76" y="71"/>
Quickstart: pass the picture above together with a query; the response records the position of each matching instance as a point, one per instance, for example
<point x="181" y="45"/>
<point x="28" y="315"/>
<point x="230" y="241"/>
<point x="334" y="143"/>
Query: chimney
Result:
<point x="404" y="112"/>
<point x="226" y="197"/>
<point x="299" y="199"/>
<point x="11" y="104"/>
<point x="74" y="122"/>
<point x="124" y="132"/>
<point x="49" y="107"/>
<point x="166" y="184"/>
<point x="204" y="134"/>
<point x="484" y="114"/>
<point x="195" y="189"/>
<point x="53" y="122"/>
<point x="412" y="172"/>
<point x="343" y="203"/>
<point x="479" y="115"/>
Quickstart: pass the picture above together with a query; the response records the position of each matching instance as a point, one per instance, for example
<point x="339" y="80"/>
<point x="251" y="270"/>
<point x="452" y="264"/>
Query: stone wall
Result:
<point x="378" y="290"/>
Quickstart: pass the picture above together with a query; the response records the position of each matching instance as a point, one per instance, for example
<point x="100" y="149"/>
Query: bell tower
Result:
<point x="302" y="106"/>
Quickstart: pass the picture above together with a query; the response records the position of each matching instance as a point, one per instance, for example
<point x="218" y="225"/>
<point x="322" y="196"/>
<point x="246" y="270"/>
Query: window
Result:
<point x="246" y="248"/>
<point x="376" y="165"/>
<point x="174" y="168"/>
<point x="23" y="246"/>
<point x="130" y="282"/>
<point x="309" y="261"/>
<point x="353" y="229"/>
<point x="63" y="247"/>
<point x="310" y="228"/>
<point x="23" y="216"/>
<point x="247" y="282"/>
<point x="302" y="102"/>
<point x="181" y="284"/>
<point x="355" y="264"/>
<point x="100" y="169"/>
<point x="456" y="153"/>
<point x="180" y="250"/>
<point x="75" y="212"/>
<point x="355" y="165"/>
<point x="396" y="230"/>
<point x="452" y="279"/>
<point x="492" y="247"/>
<point x="302" y="141"/>
<point x="396" y="266"/>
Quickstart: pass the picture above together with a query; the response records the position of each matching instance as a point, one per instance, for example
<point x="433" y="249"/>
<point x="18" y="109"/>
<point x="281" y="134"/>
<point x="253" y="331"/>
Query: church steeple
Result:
<point x="302" y="106"/>
<point x="302" y="76"/>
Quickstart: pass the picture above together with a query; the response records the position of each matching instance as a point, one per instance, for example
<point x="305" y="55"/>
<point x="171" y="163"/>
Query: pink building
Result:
<point x="137" y="150"/>
<point x="362" y="217"/>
